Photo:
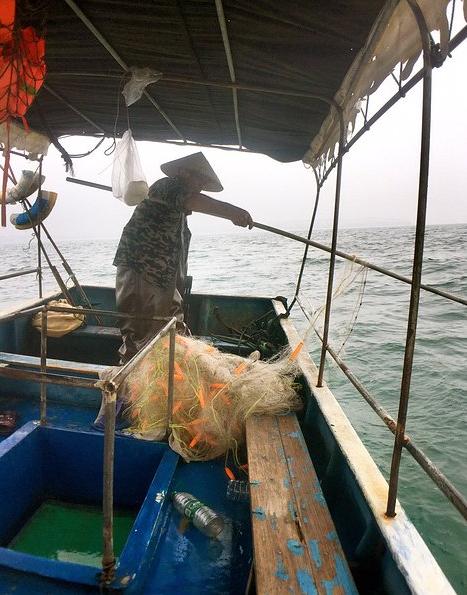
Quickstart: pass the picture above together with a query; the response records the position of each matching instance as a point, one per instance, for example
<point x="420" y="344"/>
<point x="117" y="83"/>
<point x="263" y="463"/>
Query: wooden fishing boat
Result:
<point x="318" y="519"/>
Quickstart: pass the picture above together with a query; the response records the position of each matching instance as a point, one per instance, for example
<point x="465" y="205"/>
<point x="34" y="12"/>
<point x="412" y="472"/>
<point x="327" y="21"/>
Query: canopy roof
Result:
<point x="298" y="46"/>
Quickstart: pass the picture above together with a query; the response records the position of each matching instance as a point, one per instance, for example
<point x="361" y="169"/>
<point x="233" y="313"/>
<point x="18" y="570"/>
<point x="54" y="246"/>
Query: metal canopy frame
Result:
<point x="228" y="55"/>
<point x="397" y="427"/>
<point x="79" y="13"/>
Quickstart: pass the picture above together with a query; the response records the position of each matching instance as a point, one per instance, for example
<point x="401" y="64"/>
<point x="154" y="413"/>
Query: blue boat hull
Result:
<point x="169" y="557"/>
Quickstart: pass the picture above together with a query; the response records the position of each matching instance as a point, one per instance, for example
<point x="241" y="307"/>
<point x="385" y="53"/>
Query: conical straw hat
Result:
<point x="198" y="163"/>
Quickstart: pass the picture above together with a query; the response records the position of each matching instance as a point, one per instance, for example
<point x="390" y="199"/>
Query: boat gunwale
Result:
<point x="418" y="566"/>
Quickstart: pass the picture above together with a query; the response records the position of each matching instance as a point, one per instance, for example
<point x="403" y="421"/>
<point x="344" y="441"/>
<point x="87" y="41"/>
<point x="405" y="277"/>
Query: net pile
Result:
<point x="214" y="393"/>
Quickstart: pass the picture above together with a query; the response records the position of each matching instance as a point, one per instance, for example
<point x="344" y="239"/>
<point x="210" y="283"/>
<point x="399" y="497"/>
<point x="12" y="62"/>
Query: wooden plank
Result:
<point x="295" y="542"/>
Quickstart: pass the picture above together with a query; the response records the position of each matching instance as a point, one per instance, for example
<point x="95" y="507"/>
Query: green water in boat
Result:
<point x="70" y="532"/>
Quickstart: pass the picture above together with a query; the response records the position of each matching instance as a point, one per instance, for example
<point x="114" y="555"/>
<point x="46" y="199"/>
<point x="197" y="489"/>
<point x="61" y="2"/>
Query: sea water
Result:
<point x="256" y="263"/>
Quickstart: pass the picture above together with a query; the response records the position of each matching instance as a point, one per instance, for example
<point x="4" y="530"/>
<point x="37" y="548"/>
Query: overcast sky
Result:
<point x="380" y="174"/>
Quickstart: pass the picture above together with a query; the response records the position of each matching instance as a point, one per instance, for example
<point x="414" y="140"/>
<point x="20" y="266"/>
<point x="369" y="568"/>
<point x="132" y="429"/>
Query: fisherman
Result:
<point x="151" y="257"/>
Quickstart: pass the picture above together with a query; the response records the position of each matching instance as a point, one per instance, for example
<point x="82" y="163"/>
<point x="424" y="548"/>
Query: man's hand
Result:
<point x="242" y="218"/>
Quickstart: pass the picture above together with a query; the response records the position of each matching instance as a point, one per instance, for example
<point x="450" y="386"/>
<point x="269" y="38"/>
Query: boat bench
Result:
<point x="296" y="548"/>
<point x="89" y="330"/>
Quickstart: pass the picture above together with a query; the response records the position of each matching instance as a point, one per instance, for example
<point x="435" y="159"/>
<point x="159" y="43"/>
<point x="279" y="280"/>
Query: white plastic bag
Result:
<point x="140" y="79"/>
<point x="128" y="180"/>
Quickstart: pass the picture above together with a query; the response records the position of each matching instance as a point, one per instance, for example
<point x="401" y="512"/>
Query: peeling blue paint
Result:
<point x="313" y="544"/>
<point x="292" y="511"/>
<point x="306" y="584"/>
<point x="255" y="483"/>
<point x="294" y="434"/>
<point x="259" y="513"/>
<point x="342" y="579"/>
<point x="295" y="547"/>
<point x="305" y="520"/>
<point x="286" y="483"/>
<point x="332" y="535"/>
<point x="281" y="571"/>
<point x="320" y="498"/>
<point x="280" y="452"/>
<point x="273" y="520"/>
<point x="290" y="463"/>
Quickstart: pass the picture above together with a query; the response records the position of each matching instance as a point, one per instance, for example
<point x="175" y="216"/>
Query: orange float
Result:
<point x="22" y="72"/>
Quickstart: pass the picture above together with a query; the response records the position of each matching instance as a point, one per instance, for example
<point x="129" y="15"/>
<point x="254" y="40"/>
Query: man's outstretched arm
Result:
<point x="200" y="203"/>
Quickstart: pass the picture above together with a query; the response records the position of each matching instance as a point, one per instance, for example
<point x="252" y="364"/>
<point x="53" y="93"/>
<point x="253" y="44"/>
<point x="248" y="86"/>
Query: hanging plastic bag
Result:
<point x="140" y="79"/>
<point x="128" y="180"/>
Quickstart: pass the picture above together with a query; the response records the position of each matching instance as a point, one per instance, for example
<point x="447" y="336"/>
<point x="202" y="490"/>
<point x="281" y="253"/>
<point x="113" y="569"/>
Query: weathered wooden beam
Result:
<point x="296" y="548"/>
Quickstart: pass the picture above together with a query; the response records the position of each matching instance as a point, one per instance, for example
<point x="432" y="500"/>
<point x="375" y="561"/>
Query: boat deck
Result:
<point x="176" y="557"/>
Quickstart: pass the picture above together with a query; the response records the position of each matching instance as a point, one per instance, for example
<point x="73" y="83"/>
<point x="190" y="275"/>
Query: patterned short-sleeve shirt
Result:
<point x="155" y="241"/>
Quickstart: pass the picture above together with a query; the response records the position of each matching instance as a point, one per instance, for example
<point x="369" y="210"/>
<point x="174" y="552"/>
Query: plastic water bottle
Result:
<point x="202" y="517"/>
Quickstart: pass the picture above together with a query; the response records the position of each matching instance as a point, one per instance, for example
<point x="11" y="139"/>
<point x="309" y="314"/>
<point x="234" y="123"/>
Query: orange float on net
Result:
<point x="229" y="473"/>
<point x="176" y="407"/>
<point x="163" y="386"/>
<point x="240" y="368"/>
<point x="201" y="397"/>
<point x="195" y="440"/>
<point x="295" y="353"/>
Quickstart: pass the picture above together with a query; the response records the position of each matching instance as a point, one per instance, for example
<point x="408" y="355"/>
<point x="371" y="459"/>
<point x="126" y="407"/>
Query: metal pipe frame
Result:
<point x="65" y="264"/>
<point x="43" y="397"/>
<point x="80" y="14"/>
<point x="78" y="112"/>
<point x="168" y="78"/>
<point x="39" y="264"/>
<point x="228" y="55"/>
<point x="20" y="313"/>
<point x="49" y="378"/>
<point x="417" y="260"/>
<point x="19" y="274"/>
<point x="110" y="400"/>
<point x="53" y="268"/>
<point x="170" y="383"/>
<point x="332" y="260"/>
<point x="116" y="380"/>
<point x="39" y="253"/>
<point x="105" y="313"/>
<point x="446" y="487"/>
<point x="307" y="245"/>
<point x="108" y="555"/>
<point x="365" y="263"/>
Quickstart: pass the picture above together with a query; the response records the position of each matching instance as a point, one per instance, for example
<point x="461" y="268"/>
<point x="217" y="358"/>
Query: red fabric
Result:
<point x="22" y="72"/>
<point x="22" y="68"/>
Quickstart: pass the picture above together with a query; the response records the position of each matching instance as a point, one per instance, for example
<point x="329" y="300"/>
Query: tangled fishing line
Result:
<point x="214" y="394"/>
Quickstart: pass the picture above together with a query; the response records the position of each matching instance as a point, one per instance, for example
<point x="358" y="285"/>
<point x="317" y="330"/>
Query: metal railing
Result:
<point x="109" y="388"/>
<point x="20" y="273"/>
<point x="397" y="427"/>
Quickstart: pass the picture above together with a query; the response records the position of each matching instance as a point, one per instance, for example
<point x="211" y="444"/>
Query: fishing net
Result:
<point x="214" y="394"/>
